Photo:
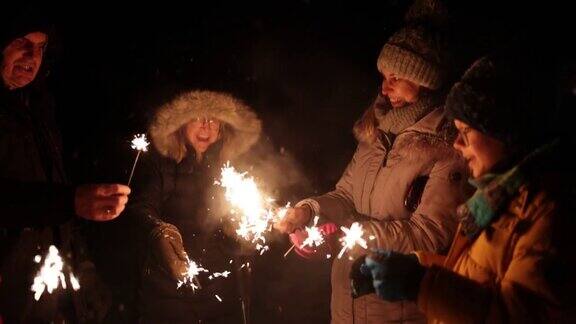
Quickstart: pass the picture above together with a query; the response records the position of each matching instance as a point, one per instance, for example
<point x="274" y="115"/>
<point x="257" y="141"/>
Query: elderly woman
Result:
<point x="193" y="135"/>
<point x="512" y="260"/>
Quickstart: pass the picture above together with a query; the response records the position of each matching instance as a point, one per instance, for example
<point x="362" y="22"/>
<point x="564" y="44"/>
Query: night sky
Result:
<point x="308" y="68"/>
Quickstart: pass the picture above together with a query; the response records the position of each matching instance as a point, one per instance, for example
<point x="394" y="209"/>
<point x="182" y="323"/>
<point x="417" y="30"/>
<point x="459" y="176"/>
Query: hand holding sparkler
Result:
<point x="294" y="218"/>
<point x="100" y="202"/>
<point x="140" y="144"/>
<point x="169" y="251"/>
<point x="307" y="242"/>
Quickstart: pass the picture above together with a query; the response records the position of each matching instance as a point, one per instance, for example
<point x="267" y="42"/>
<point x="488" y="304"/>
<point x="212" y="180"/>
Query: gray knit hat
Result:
<point x="417" y="52"/>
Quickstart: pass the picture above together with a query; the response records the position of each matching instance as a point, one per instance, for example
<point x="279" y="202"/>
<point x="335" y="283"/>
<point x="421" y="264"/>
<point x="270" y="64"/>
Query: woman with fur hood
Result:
<point x="193" y="135"/>
<point x="404" y="181"/>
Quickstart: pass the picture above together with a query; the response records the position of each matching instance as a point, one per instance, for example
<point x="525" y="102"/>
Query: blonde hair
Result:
<point x="224" y="135"/>
<point x="366" y="128"/>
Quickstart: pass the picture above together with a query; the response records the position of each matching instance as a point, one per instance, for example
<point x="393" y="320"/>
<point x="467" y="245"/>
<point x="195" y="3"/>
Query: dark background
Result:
<point x="307" y="67"/>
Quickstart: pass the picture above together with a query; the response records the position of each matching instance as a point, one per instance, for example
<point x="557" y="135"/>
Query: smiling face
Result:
<point x="201" y="133"/>
<point x="400" y="92"/>
<point x="481" y="151"/>
<point x="22" y="58"/>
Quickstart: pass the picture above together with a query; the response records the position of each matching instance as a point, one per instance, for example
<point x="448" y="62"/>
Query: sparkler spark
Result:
<point x="224" y="274"/>
<point x="218" y="297"/>
<point x="315" y="237"/>
<point x="74" y="282"/>
<point x="190" y="278"/>
<point x="50" y="275"/>
<point x="140" y="144"/>
<point x="352" y="236"/>
<point x="255" y="213"/>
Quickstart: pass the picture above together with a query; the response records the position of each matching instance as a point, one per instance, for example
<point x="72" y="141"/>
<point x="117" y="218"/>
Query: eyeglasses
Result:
<point x="211" y="123"/>
<point x="464" y="135"/>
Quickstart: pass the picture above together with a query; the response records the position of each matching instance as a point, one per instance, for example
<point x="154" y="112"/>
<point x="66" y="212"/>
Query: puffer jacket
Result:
<point x="520" y="268"/>
<point x="173" y="187"/>
<point x="404" y="193"/>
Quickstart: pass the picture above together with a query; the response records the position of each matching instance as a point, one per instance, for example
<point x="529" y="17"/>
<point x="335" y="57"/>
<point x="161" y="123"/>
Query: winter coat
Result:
<point x="171" y="186"/>
<point x="520" y="268"/>
<point x="36" y="211"/>
<point x="404" y="193"/>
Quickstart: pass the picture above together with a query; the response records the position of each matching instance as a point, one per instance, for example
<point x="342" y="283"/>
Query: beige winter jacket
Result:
<point x="373" y="190"/>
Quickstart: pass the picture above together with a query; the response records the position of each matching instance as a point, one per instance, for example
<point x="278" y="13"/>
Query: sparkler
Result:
<point x="289" y="250"/>
<point x="190" y="278"/>
<point x="254" y="211"/>
<point x="352" y="236"/>
<point x="50" y="275"/>
<point x="140" y="144"/>
<point x="315" y="237"/>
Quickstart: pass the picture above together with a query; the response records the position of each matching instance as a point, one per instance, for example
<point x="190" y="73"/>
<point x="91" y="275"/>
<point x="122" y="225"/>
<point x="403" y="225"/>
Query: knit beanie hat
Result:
<point x="22" y="21"/>
<point x="417" y="52"/>
<point x="509" y="96"/>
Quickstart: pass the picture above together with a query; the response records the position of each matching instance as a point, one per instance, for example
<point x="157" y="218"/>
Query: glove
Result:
<point x="168" y="250"/>
<point x="395" y="276"/>
<point x="361" y="278"/>
<point x="298" y="236"/>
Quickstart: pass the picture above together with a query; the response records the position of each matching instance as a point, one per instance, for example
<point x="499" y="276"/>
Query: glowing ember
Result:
<point x="255" y="212"/>
<point x="140" y="143"/>
<point x="372" y="237"/>
<point x="328" y="256"/>
<point x="218" y="297"/>
<point x="352" y="236"/>
<point x="190" y="278"/>
<point x="224" y="274"/>
<point x="315" y="237"/>
<point x="262" y="248"/>
<point x="74" y="282"/>
<point x="50" y="275"/>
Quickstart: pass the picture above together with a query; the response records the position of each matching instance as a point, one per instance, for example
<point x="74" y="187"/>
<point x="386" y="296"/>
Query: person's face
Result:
<point x="481" y="151"/>
<point x="202" y="132"/>
<point x="22" y="58"/>
<point x="400" y="92"/>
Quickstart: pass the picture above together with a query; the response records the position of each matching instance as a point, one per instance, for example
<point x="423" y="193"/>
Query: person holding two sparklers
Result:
<point x="404" y="181"/>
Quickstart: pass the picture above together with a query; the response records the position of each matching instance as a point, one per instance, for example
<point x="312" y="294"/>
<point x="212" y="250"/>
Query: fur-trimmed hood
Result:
<point x="243" y="124"/>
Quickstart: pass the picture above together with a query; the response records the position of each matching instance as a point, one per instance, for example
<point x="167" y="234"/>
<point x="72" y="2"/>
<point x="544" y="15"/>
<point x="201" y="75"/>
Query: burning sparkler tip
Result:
<point x="140" y="143"/>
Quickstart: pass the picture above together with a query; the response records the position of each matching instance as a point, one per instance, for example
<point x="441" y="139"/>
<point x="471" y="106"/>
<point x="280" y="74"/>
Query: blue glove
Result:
<point x="395" y="276"/>
<point x="361" y="278"/>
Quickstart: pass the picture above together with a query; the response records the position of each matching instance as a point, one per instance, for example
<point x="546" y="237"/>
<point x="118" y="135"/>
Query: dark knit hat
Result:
<point x="22" y="21"/>
<point x="417" y="52"/>
<point x="509" y="96"/>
